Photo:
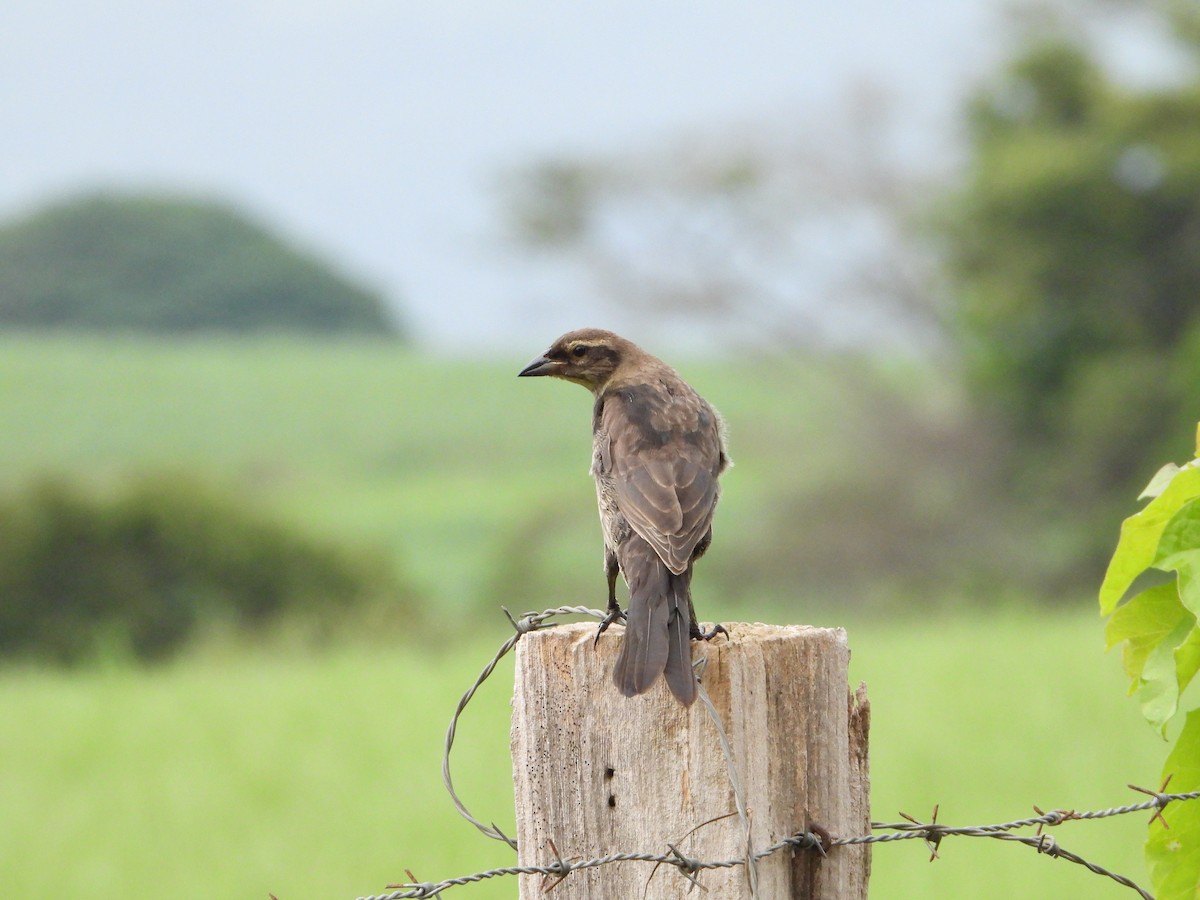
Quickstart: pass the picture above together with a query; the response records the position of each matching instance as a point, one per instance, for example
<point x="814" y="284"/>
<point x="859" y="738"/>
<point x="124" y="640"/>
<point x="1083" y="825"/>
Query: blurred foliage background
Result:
<point x="1016" y="347"/>
<point x="221" y="454"/>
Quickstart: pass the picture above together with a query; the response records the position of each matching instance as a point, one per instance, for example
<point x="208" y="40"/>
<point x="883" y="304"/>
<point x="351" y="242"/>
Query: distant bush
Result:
<point x="170" y="265"/>
<point x="141" y="570"/>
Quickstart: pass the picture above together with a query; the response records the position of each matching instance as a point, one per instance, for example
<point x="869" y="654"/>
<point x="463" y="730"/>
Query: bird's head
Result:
<point x="588" y="356"/>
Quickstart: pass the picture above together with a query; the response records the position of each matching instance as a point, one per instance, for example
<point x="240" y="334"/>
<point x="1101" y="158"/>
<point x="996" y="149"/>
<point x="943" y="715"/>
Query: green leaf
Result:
<point x="1144" y="622"/>
<point x="1173" y="854"/>
<point x="1159" y="482"/>
<point x="1162" y="649"/>
<point x="1187" y="659"/>
<point x="1159" y="688"/>
<point x="1179" y="552"/>
<point x="1140" y="534"/>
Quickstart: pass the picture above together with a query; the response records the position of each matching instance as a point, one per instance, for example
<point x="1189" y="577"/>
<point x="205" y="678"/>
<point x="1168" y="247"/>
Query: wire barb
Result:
<point x="1161" y="799"/>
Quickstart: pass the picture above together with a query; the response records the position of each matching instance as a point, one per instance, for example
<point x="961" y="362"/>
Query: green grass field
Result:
<point x="237" y="771"/>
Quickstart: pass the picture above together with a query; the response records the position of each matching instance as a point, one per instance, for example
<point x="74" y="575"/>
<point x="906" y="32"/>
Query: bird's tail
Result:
<point x="657" y="625"/>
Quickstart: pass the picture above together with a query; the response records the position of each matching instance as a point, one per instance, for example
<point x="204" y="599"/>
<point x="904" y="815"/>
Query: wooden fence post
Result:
<point x="597" y="773"/>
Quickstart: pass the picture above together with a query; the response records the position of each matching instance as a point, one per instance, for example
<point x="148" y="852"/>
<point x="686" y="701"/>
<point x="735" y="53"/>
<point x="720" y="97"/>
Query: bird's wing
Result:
<point x="664" y="456"/>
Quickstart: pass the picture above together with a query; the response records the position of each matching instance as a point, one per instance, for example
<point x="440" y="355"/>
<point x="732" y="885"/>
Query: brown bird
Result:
<point x="658" y="449"/>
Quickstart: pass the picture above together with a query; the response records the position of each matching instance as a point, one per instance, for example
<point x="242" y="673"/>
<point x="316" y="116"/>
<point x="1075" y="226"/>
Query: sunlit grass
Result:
<point x="988" y="715"/>
<point x="239" y="776"/>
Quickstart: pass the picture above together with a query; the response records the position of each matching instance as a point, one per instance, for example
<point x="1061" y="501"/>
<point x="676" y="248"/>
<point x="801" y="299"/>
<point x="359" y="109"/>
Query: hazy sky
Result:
<point x="373" y="130"/>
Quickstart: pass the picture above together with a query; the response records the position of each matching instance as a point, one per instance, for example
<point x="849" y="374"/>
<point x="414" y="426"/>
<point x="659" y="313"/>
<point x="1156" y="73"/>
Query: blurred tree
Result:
<point x="783" y="234"/>
<point x="144" y="262"/>
<point x="1073" y="249"/>
<point x="1053" y="270"/>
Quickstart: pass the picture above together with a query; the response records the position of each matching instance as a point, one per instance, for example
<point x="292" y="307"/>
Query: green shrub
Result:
<point x="143" y="568"/>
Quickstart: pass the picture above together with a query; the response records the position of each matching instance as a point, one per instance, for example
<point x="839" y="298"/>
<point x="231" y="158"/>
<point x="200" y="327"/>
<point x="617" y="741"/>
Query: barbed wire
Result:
<point x="814" y="838"/>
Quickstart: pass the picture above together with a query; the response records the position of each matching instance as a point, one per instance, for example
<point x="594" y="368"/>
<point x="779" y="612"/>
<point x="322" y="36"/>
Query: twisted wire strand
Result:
<point x="931" y="833"/>
<point x="530" y="621"/>
<point x="735" y="783"/>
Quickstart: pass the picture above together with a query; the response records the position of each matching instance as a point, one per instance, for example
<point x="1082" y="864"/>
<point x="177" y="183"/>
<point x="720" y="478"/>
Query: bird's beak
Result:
<point x="541" y="366"/>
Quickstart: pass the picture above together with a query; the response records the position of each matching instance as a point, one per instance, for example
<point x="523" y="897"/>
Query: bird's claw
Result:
<point x="699" y="634"/>
<point x="613" y="614"/>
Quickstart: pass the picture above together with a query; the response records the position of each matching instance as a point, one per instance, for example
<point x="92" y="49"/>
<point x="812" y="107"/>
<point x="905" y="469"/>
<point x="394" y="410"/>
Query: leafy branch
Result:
<point x="1157" y="628"/>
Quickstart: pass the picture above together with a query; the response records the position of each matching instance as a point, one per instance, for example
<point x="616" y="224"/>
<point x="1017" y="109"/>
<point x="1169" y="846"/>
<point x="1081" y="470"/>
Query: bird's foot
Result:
<point x="698" y="634"/>
<point x="613" y="614"/>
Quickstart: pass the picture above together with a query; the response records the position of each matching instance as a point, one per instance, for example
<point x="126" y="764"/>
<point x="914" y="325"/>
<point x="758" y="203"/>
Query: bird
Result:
<point x="658" y="451"/>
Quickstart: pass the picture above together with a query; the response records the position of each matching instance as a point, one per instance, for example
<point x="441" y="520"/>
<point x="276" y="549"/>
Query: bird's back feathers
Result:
<point x="661" y="451"/>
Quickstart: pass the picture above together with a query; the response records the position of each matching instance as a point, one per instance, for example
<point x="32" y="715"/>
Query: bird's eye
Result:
<point x="578" y="351"/>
